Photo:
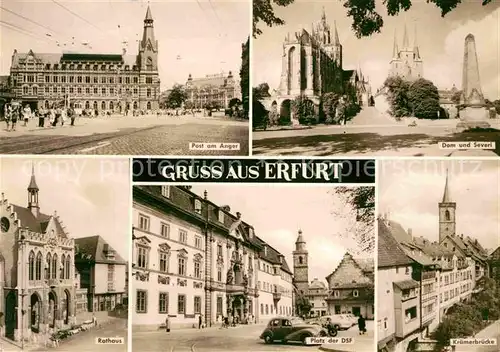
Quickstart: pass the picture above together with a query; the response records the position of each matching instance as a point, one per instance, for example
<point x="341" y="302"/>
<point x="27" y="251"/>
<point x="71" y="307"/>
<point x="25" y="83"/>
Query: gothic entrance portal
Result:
<point x="10" y="315"/>
<point x="51" y="318"/>
<point x="35" y="312"/>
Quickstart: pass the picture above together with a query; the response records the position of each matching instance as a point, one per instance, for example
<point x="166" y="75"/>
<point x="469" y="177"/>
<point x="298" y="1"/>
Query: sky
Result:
<point x="440" y="40"/>
<point x="200" y="37"/>
<point x="91" y="196"/>
<point x="410" y="190"/>
<point x="278" y="212"/>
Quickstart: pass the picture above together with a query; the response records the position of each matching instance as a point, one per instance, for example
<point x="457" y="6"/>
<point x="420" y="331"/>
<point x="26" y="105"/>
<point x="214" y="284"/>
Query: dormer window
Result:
<point x="197" y="206"/>
<point x="165" y="191"/>
<point x="221" y="216"/>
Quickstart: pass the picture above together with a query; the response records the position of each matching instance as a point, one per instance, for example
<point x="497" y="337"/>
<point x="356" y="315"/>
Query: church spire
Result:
<point x="446" y="194"/>
<point x="415" y="44"/>
<point x="395" y="50"/>
<point x="336" y="34"/>
<point x="323" y="15"/>
<point x="33" y="194"/>
<point x="406" y="42"/>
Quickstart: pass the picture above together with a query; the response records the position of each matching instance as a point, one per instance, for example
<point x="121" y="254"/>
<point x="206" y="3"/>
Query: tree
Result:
<point x="357" y="206"/>
<point x="303" y="110"/>
<point x="423" y="99"/>
<point x="397" y="89"/>
<point x="329" y="105"/>
<point x="234" y="102"/>
<point x="302" y="306"/>
<point x="365" y="19"/>
<point x="245" y="76"/>
<point x="176" y="97"/>
<point x="261" y="91"/>
<point x="455" y="98"/>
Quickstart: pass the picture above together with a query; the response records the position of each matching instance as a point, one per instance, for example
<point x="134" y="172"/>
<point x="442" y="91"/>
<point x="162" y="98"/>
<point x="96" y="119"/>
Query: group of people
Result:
<point x="13" y="112"/>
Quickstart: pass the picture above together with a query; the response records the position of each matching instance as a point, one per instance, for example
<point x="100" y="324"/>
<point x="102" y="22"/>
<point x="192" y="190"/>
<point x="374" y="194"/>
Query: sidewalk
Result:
<point x="184" y="330"/>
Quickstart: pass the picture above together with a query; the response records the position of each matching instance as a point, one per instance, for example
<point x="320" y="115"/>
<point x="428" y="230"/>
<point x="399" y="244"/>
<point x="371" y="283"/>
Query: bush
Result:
<point x="284" y="121"/>
<point x="309" y="120"/>
<point x="259" y="115"/>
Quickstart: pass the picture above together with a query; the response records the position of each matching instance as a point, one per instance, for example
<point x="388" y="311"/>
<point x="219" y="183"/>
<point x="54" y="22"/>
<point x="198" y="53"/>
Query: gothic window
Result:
<point x="48" y="266"/>
<point x="68" y="267"/>
<point x="149" y="64"/>
<point x="63" y="267"/>
<point x="54" y="266"/>
<point x="291" y="58"/>
<point x="150" y="47"/>
<point x="32" y="266"/>
<point x="447" y="215"/>
<point x="38" y="266"/>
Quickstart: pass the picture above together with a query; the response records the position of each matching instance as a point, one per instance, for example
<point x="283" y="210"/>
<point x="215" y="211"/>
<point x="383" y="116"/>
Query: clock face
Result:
<point x="5" y="224"/>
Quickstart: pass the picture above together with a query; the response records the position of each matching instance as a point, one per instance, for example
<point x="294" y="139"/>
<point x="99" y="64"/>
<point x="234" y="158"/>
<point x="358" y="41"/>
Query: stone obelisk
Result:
<point x="475" y="113"/>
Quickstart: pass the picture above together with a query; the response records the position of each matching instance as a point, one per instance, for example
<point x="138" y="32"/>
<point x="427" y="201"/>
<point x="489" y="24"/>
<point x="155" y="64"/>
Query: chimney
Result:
<point x="55" y="213"/>
<point x="281" y="258"/>
<point x="410" y="232"/>
<point x="238" y="215"/>
<point x="124" y="51"/>
<point x="265" y="249"/>
<point x="205" y="194"/>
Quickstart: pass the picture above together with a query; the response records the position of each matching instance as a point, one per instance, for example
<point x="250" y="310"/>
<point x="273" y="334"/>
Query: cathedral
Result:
<point x="406" y="62"/>
<point x="37" y="275"/>
<point x="312" y="66"/>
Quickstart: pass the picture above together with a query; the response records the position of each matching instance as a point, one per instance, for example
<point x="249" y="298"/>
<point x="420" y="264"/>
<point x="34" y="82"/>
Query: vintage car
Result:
<point x="286" y="329"/>
<point x="339" y="321"/>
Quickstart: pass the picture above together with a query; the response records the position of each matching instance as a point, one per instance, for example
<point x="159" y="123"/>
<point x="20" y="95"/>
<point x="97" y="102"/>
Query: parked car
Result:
<point x="287" y="329"/>
<point x="351" y="317"/>
<point x="339" y="321"/>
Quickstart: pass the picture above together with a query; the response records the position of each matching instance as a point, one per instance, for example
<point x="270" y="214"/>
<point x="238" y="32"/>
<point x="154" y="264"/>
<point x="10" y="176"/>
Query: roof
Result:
<point x="91" y="57"/>
<point x="96" y="247"/>
<point x="446" y="194"/>
<point x="420" y="257"/>
<point x="366" y="269"/>
<point x="398" y="232"/>
<point x="37" y="224"/>
<point x="148" y="14"/>
<point x="316" y="284"/>
<point x="366" y="264"/>
<point x="217" y="80"/>
<point x="390" y="253"/>
<point x="406" y="284"/>
<point x="273" y="256"/>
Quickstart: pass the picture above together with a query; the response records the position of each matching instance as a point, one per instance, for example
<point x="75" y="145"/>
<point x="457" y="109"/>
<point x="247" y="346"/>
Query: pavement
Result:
<point x="120" y="135"/>
<point x="243" y="338"/>
<point x="372" y="134"/>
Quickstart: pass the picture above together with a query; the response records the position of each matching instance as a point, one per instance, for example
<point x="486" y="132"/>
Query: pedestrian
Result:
<point x="57" y="117"/>
<point x="167" y="324"/>
<point x="361" y="325"/>
<point x="15" y="116"/>
<point x="41" y="117"/>
<point x="8" y="115"/>
<point x="26" y="114"/>
<point x="52" y="116"/>
<point x="71" y="115"/>
<point x="63" y="116"/>
<point x="94" y="319"/>
<point x="200" y="321"/>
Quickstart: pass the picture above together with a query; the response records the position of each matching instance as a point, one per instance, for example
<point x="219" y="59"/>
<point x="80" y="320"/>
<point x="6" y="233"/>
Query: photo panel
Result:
<point x="373" y="79"/>
<point x="268" y="266"/>
<point x="123" y="77"/>
<point x="438" y="255"/>
<point x="64" y="253"/>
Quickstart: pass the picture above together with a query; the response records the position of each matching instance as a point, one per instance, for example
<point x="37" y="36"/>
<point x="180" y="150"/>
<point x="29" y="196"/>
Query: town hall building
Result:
<point x="106" y="83"/>
<point x="37" y="269"/>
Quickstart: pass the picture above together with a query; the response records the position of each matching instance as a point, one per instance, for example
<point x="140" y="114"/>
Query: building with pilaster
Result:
<point x="194" y="258"/>
<point x="215" y="89"/>
<point x="99" y="82"/>
<point x="37" y="269"/>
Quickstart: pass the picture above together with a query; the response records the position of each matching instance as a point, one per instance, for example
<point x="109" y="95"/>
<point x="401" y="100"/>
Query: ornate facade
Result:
<point x="38" y="288"/>
<point x="193" y="257"/>
<point x="406" y="61"/>
<point x="312" y="65"/>
<point x="102" y="82"/>
<point x="218" y="88"/>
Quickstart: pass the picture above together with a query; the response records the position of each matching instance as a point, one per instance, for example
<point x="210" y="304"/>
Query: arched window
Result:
<point x="48" y="266"/>
<point x="135" y="105"/>
<point x="38" y="266"/>
<point x="95" y="105"/>
<point x="148" y="106"/>
<point x="103" y="105"/>
<point x="31" y="266"/>
<point x="291" y="58"/>
<point x="300" y="260"/>
<point x="68" y="267"/>
<point x="63" y="267"/>
<point x="111" y="105"/>
<point x="447" y="215"/>
<point x="87" y="105"/>
<point x="54" y="266"/>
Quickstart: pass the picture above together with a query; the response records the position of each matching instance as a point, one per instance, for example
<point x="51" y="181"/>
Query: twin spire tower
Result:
<point x="406" y="61"/>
